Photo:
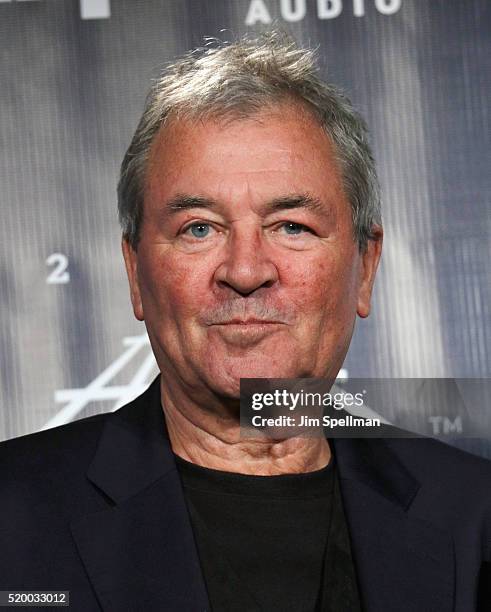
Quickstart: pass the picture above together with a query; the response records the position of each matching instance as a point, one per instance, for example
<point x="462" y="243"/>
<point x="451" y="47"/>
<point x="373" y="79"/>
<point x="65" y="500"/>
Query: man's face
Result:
<point x="247" y="266"/>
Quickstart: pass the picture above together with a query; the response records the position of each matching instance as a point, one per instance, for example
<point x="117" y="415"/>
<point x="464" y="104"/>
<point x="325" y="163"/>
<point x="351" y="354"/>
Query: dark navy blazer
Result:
<point x="96" y="507"/>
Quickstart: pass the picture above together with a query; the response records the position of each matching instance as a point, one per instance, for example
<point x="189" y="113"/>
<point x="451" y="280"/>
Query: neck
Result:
<point x="213" y="440"/>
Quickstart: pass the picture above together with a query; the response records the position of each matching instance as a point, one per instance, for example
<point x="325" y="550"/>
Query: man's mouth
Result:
<point x="245" y="333"/>
<point x="251" y="321"/>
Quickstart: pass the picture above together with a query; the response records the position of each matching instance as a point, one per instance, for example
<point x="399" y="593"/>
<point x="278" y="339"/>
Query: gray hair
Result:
<point x="240" y="79"/>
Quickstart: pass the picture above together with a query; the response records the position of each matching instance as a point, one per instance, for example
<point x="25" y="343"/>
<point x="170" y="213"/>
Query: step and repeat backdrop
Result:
<point x="73" y="78"/>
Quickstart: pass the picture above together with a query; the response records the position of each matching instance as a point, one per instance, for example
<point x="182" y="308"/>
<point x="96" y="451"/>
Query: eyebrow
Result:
<point x="182" y="202"/>
<point x="185" y="202"/>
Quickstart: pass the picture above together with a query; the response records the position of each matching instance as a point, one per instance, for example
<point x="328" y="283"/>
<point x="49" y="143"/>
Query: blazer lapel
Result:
<point x="140" y="553"/>
<point x="403" y="563"/>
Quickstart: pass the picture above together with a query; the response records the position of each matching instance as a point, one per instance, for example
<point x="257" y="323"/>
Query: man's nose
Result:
<point x="246" y="265"/>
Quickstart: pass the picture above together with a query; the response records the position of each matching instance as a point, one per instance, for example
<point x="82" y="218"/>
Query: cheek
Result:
<point x="308" y="284"/>
<point x="172" y="285"/>
<point x="323" y="288"/>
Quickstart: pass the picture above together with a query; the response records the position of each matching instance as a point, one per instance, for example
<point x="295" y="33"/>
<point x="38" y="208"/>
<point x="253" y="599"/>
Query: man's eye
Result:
<point x="294" y="229"/>
<point x="198" y="230"/>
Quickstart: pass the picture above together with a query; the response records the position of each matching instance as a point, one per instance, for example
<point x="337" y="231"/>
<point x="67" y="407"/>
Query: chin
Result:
<point x="224" y="379"/>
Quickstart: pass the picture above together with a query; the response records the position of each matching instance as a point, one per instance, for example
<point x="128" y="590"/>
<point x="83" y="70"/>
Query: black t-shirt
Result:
<point x="262" y="540"/>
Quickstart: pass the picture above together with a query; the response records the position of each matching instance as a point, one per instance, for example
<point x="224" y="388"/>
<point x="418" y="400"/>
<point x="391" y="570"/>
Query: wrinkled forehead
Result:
<point x="283" y="148"/>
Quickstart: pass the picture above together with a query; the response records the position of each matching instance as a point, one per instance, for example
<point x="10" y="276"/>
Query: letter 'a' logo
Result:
<point x="101" y="389"/>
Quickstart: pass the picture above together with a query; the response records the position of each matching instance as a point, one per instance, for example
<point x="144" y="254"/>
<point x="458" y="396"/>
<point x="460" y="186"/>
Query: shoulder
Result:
<point x="36" y="465"/>
<point x="454" y="485"/>
<point x="32" y="448"/>
<point x="431" y="460"/>
<point x="434" y="483"/>
<point x="33" y="466"/>
<point x="441" y="476"/>
<point x="426" y="459"/>
<point x="44" y="484"/>
<point x="455" y="491"/>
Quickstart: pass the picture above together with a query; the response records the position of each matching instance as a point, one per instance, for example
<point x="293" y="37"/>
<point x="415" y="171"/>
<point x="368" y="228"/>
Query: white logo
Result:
<point x="95" y="9"/>
<point x="259" y="11"/>
<point x="100" y="388"/>
<point x="89" y="9"/>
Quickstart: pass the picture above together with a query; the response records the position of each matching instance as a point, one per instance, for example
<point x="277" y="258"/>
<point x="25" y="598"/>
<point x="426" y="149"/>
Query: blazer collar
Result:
<point x="143" y="543"/>
<point x="371" y="461"/>
<point x="134" y="450"/>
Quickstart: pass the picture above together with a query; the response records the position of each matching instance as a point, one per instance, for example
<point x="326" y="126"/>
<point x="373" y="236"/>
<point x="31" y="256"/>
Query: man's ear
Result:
<point x="369" y="264"/>
<point x="130" y="260"/>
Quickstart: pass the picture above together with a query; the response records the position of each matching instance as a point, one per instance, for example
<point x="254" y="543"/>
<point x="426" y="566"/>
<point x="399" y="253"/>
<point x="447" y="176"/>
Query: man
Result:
<point x="251" y="236"/>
